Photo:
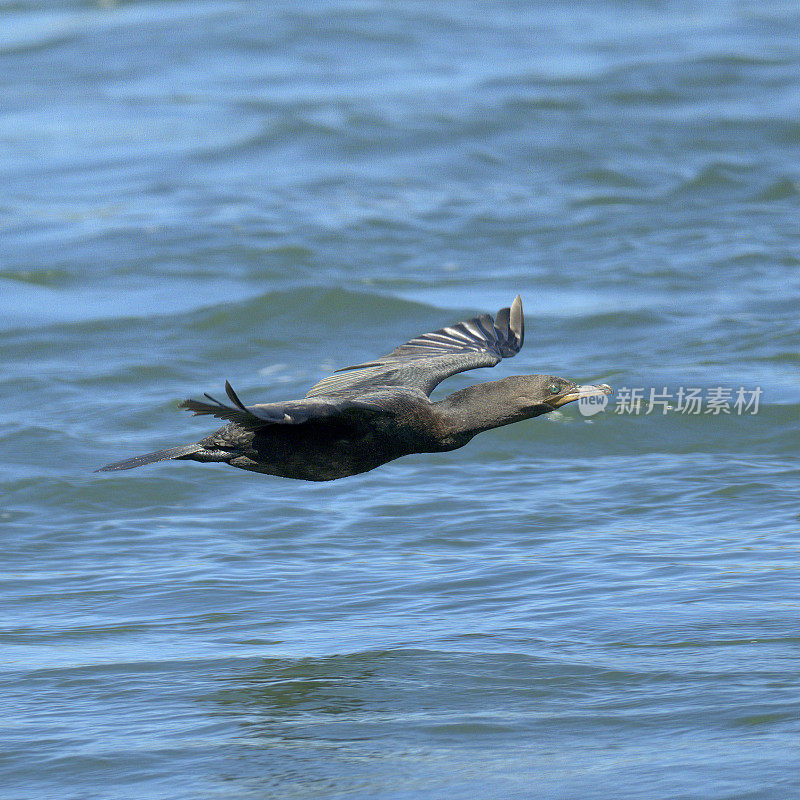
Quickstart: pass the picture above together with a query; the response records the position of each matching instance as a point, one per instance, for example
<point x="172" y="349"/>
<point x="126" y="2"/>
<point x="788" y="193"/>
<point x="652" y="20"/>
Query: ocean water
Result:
<point x="577" y="606"/>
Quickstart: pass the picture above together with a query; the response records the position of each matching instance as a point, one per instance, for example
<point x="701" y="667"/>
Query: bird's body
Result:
<point x="321" y="450"/>
<point x="363" y="416"/>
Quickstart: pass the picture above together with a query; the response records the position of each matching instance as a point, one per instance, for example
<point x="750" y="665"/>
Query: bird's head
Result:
<point x="533" y="395"/>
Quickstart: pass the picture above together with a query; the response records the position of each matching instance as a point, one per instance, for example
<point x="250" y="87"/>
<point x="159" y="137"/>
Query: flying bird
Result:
<point x="365" y="415"/>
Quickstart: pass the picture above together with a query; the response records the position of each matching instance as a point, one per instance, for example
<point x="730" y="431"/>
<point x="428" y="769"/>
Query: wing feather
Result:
<point x="418" y="365"/>
<point x="290" y="412"/>
<point x="426" y="360"/>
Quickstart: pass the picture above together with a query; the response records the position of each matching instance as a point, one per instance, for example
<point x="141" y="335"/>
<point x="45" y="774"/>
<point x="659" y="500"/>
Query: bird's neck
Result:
<point x="478" y="408"/>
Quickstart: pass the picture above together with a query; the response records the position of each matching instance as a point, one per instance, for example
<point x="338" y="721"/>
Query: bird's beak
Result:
<point x="588" y="390"/>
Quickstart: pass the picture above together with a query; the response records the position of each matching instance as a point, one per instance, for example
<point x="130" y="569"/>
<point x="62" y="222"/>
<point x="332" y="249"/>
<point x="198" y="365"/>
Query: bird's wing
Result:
<point x="426" y="360"/>
<point x="290" y="412"/>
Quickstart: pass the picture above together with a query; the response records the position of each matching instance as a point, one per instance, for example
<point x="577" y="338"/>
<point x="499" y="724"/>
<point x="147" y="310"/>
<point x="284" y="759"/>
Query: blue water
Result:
<point x="573" y="607"/>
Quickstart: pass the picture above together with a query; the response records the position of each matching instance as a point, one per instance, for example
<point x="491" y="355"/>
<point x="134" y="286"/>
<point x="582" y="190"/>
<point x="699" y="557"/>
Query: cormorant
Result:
<point x="365" y="415"/>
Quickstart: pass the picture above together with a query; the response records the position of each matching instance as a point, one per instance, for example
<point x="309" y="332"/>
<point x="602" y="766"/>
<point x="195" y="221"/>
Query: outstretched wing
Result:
<point x="426" y="360"/>
<point x="290" y="412"/>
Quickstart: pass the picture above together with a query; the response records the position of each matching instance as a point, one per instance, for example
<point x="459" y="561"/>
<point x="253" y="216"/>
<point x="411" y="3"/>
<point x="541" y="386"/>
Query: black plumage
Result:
<point x="365" y="415"/>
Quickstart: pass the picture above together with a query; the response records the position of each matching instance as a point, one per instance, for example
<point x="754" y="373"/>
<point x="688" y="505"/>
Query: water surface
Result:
<point x="260" y="192"/>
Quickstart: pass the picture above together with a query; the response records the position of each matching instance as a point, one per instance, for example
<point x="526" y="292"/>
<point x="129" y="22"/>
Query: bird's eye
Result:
<point x="554" y="388"/>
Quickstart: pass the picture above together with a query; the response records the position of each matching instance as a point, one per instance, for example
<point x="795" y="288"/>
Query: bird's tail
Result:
<point x="152" y="458"/>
